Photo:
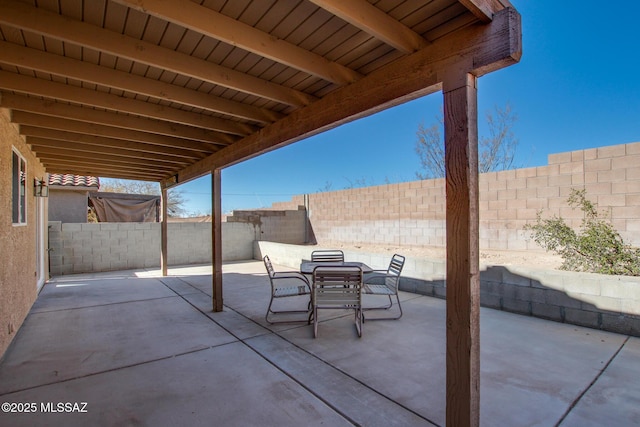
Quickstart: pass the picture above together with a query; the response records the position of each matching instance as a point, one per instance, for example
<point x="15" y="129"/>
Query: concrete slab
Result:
<point x="401" y="359"/>
<point x="239" y="326"/>
<point x="614" y="399"/>
<point x="353" y="399"/>
<point x="532" y="370"/>
<point x="59" y="345"/>
<point x="145" y="350"/>
<point x="229" y="385"/>
<point x="70" y="292"/>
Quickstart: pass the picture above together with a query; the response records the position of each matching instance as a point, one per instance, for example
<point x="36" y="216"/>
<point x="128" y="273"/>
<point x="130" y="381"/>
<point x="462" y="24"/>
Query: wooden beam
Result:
<point x="479" y="49"/>
<point x="37" y="60"/>
<point x="216" y="238"/>
<point x="463" y="270"/>
<point x="55" y="123"/>
<point x="38" y="20"/>
<point x="218" y="26"/>
<point x="93" y="98"/>
<point x="89" y="115"/>
<point x="101" y="170"/>
<point x="54" y="153"/>
<point x="364" y="15"/>
<point x="99" y="149"/>
<point x="98" y="170"/>
<point x="485" y="9"/>
<point x="164" y="233"/>
<point x="113" y="145"/>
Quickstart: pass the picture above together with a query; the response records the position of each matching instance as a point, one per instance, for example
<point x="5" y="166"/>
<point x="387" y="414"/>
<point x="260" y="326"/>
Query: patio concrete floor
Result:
<point x="145" y="350"/>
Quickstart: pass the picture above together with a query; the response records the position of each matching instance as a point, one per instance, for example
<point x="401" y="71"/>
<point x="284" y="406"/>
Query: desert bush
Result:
<point x="596" y="248"/>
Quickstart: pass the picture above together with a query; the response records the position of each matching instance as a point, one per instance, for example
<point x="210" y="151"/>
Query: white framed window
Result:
<point x="19" y="188"/>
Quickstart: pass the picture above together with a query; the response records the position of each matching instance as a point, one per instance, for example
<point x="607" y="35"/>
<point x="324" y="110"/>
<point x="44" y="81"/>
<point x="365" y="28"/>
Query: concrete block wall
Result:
<point x="413" y="213"/>
<point x="285" y="226"/>
<point x="91" y="247"/>
<point x="610" y="303"/>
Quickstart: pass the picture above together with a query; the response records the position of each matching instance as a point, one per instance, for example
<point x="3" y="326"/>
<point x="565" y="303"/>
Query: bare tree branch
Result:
<point x="495" y="152"/>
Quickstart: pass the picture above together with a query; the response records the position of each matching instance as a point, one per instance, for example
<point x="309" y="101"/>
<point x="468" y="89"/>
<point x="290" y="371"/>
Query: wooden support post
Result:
<point x="163" y="233"/>
<point x="463" y="275"/>
<point x="216" y="238"/>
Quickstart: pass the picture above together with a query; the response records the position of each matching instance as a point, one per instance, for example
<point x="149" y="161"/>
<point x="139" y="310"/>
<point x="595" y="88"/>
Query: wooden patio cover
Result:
<point x="171" y="90"/>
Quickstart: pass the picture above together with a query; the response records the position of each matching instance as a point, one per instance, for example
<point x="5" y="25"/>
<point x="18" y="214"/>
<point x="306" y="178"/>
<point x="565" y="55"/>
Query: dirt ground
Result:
<point x="539" y="259"/>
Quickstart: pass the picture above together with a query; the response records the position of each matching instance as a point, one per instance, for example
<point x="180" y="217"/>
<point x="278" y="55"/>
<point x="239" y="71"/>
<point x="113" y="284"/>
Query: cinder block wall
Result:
<point x="285" y="226"/>
<point x="90" y="247"/>
<point x="413" y="213"/>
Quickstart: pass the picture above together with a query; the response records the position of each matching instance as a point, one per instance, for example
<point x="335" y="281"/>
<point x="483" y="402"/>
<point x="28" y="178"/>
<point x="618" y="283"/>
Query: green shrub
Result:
<point x="597" y="248"/>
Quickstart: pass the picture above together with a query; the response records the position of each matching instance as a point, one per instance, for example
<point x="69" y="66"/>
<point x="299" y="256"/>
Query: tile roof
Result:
<point x="70" y="180"/>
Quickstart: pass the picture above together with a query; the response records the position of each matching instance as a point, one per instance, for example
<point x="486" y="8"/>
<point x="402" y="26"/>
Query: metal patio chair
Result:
<point x="286" y="288"/>
<point x="328" y="255"/>
<point x="337" y="288"/>
<point x="385" y="283"/>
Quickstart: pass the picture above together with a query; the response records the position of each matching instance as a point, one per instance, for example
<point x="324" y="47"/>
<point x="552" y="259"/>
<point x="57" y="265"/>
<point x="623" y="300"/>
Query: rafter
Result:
<point x="60" y="91"/>
<point x="20" y="56"/>
<point x="55" y="123"/>
<point x="213" y="24"/>
<point x="478" y="49"/>
<point x="364" y="15"/>
<point x="112" y="144"/>
<point x="485" y="9"/>
<point x="89" y="115"/>
<point x="92" y="170"/>
<point x="40" y="21"/>
<point x="68" y="156"/>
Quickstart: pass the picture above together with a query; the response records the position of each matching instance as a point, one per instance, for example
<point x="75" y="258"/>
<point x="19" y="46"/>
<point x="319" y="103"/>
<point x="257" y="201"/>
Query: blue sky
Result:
<point x="576" y="87"/>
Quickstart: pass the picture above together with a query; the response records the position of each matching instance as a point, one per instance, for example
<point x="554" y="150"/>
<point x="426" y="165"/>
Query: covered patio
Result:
<point x="171" y="91"/>
<point x="142" y="349"/>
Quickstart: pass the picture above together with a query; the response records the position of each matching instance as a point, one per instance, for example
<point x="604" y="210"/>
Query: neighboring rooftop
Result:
<point x="70" y="180"/>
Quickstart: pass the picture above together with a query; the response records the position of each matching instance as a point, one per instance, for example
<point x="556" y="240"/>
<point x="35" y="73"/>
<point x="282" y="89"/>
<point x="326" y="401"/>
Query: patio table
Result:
<point x="307" y="267"/>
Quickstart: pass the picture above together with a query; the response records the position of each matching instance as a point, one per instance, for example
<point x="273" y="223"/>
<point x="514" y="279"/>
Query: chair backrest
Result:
<point x="394" y="270"/>
<point x="337" y="286"/>
<point x="329" y="255"/>
<point x="269" y="266"/>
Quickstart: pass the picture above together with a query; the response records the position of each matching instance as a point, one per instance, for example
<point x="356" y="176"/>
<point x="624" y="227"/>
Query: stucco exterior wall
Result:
<point x="18" y="275"/>
<point x="68" y="205"/>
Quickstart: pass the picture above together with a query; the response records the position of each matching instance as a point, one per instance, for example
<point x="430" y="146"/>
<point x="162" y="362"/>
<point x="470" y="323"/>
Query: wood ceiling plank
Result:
<point x="57" y="123"/>
<point x="476" y="49"/>
<point x="69" y="156"/>
<point x="93" y="170"/>
<point x="98" y="150"/>
<point x="483" y="9"/>
<point x="118" y="45"/>
<point x="94" y="12"/>
<point x="40" y="87"/>
<point x="123" y="80"/>
<point x="367" y="17"/>
<point x="206" y="21"/>
<point x="110" y="143"/>
<point x="56" y="109"/>
<point x="115" y="17"/>
<point x="62" y="156"/>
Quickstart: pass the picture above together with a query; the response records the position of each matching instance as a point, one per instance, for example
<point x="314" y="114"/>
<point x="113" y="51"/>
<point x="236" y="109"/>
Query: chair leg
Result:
<point x="359" y="318"/>
<point x="266" y="317"/>
<point x="386" y="308"/>
<point x="270" y="311"/>
<point x="315" y="321"/>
